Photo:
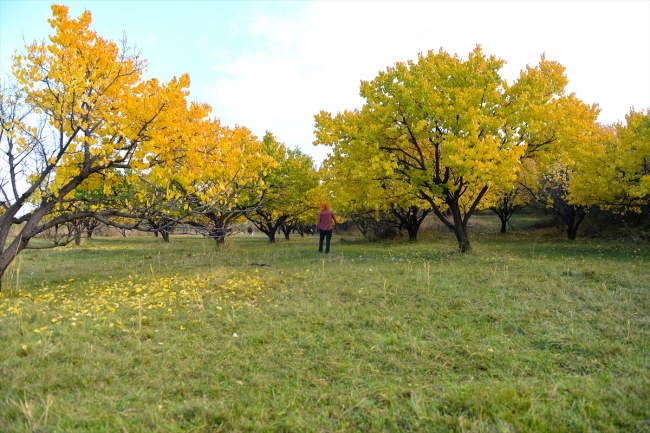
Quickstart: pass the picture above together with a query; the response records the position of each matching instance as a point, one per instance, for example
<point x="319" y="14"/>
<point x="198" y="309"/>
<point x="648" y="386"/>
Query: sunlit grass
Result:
<point x="528" y="332"/>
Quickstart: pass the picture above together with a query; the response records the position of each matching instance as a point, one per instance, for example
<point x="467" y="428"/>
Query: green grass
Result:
<point x="528" y="332"/>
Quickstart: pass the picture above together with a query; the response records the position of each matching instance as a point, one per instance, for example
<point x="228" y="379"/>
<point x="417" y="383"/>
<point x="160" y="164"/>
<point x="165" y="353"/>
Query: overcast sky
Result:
<point x="273" y="65"/>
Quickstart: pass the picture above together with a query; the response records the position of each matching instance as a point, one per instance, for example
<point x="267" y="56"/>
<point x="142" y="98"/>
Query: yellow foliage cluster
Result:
<point x="110" y="118"/>
<point x="451" y="133"/>
<point x="614" y="171"/>
<point x="114" y="145"/>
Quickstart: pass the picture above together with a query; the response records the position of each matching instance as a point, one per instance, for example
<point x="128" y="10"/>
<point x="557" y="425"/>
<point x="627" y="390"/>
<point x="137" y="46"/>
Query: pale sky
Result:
<point x="273" y="65"/>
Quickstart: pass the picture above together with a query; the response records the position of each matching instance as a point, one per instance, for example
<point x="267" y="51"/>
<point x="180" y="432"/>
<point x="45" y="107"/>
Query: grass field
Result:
<point x="528" y="332"/>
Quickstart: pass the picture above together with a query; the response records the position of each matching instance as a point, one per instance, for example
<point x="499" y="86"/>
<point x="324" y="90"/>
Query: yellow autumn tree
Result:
<point x="77" y="117"/>
<point x="367" y="193"/>
<point x="568" y="136"/>
<point x="615" y="173"/>
<point x="453" y="128"/>
<point x="436" y="124"/>
<point x="505" y="202"/>
<point x="282" y="196"/>
<point x="217" y="177"/>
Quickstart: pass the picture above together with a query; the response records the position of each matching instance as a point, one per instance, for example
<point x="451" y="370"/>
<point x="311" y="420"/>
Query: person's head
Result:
<point x="323" y="206"/>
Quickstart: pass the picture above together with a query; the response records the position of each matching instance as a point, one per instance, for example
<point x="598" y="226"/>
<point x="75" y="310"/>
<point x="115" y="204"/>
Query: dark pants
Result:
<point x="325" y="234"/>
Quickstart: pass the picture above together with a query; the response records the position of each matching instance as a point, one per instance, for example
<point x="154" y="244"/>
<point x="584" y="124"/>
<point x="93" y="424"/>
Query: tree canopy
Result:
<point x="78" y="122"/>
<point x="450" y="128"/>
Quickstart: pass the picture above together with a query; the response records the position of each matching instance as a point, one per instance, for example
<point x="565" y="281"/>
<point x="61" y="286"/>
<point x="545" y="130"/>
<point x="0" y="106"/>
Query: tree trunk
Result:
<point x="571" y="215"/>
<point x="460" y="227"/>
<point x="413" y="232"/>
<point x="77" y="238"/>
<point x="463" y="240"/>
<point x="29" y="229"/>
<point x="572" y="233"/>
<point x="10" y="254"/>
<point x="286" y="230"/>
<point x="411" y="219"/>
<point x="269" y="229"/>
<point x="89" y="225"/>
<point x="363" y="228"/>
<point x="502" y="213"/>
<point x="270" y="226"/>
<point x="165" y="235"/>
<point x="216" y="233"/>
<point x="577" y="216"/>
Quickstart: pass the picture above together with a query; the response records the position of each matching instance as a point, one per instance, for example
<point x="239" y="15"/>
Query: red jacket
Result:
<point x="325" y="218"/>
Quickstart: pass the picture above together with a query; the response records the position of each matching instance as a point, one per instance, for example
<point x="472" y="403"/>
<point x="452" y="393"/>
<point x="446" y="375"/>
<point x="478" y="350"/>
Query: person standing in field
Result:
<point x="325" y="218"/>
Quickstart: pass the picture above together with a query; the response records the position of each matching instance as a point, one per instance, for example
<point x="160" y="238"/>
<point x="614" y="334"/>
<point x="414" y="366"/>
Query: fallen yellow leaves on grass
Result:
<point x="101" y="302"/>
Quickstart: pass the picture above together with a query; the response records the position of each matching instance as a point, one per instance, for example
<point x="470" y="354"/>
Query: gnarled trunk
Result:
<point x="460" y="228"/>
<point x="411" y="219"/>
<point x="269" y="226"/>
<point x="573" y="221"/>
